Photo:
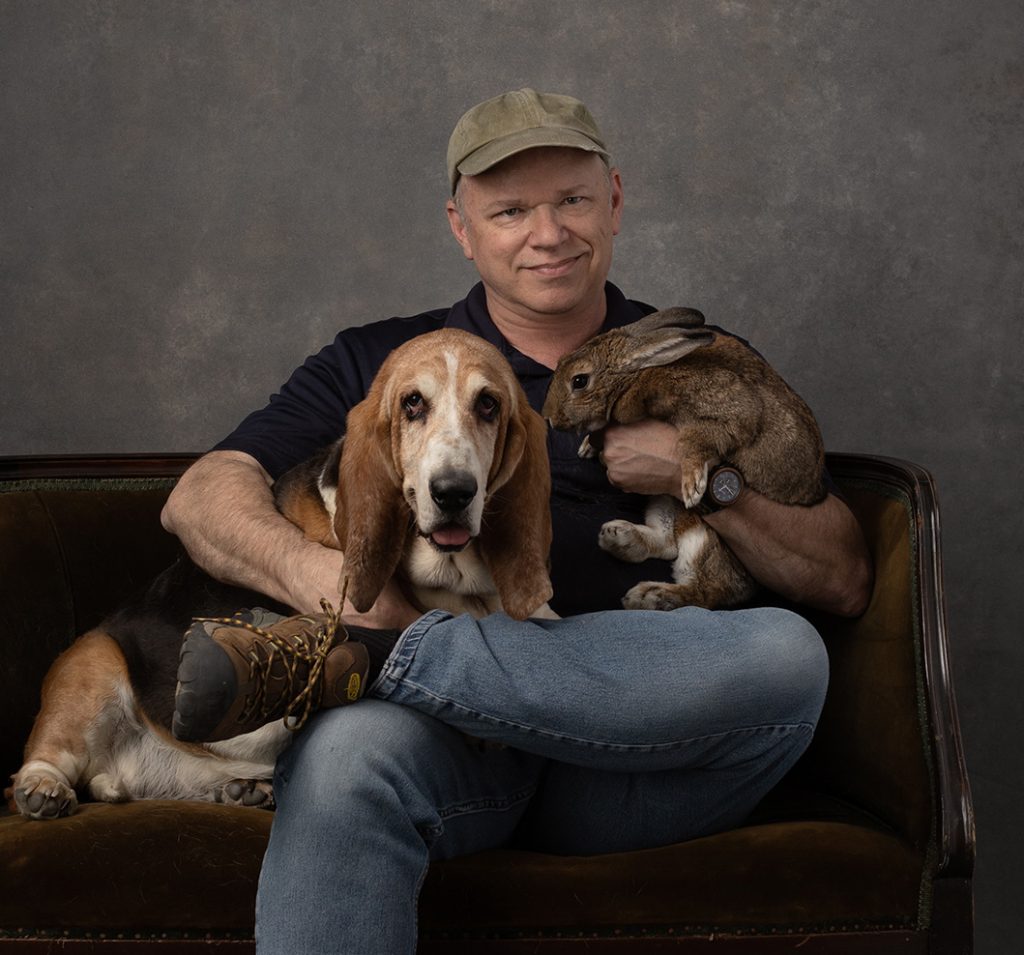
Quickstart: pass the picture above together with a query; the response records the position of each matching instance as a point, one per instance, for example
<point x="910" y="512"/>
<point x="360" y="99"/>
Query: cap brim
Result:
<point x="498" y="150"/>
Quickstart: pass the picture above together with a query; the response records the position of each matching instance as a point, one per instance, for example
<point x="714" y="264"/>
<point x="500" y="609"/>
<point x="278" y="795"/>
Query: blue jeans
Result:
<point x="622" y="730"/>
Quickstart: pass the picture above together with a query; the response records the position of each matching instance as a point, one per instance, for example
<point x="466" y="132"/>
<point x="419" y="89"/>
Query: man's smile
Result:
<point x="554" y="269"/>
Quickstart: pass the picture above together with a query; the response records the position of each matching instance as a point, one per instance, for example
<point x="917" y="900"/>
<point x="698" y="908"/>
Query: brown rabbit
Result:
<point x="728" y="405"/>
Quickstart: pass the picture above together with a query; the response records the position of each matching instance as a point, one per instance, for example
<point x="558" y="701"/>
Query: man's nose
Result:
<point x="546" y="227"/>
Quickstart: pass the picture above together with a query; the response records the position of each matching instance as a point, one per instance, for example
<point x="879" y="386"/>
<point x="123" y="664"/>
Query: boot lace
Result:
<point x="293" y="665"/>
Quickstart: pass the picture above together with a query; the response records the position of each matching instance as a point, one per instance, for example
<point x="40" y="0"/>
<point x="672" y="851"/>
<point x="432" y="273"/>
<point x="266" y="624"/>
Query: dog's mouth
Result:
<point x="448" y="538"/>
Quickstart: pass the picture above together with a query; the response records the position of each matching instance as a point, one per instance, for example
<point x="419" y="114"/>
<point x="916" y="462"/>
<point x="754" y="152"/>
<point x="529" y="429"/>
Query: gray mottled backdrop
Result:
<point x="194" y="195"/>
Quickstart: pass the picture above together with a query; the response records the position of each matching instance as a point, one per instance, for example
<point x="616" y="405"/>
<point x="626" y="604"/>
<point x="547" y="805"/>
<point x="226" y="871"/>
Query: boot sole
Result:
<point x="207" y="686"/>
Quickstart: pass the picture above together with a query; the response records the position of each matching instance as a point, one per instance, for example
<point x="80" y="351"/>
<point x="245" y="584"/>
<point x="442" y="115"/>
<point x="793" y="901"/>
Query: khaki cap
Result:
<point x="517" y="121"/>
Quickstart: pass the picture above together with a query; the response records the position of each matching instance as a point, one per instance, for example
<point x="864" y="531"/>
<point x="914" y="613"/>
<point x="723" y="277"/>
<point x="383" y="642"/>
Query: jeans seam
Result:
<point x="667" y="746"/>
<point x="471" y="807"/>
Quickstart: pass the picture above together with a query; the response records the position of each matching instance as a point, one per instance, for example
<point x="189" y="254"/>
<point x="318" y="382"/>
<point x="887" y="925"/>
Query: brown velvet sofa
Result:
<point x="866" y="847"/>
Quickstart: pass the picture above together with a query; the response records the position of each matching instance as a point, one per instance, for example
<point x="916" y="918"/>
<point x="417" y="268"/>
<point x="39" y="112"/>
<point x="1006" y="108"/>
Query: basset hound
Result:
<point x="441" y="480"/>
<point x="442" y="476"/>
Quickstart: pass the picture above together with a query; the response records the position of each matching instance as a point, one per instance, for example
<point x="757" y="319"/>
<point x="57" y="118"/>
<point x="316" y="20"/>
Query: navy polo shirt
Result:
<point x="310" y="410"/>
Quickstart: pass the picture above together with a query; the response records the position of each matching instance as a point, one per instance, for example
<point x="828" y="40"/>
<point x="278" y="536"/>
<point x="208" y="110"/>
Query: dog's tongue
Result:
<point x="450" y="536"/>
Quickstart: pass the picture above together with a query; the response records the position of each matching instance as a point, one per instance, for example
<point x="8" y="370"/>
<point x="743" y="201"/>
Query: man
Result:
<point x="622" y="729"/>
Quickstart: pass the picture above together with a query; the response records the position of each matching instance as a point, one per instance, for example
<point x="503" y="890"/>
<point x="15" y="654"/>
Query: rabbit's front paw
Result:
<point x="624" y="540"/>
<point x="586" y="449"/>
<point x="695" y="483"/>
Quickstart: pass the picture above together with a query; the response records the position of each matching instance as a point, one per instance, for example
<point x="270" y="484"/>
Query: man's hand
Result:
<point x="643" y="458"/>
<point x="390" y="611"/>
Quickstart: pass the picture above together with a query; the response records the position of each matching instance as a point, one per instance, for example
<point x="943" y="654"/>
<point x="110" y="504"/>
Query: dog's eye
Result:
<point x="487" y="406"/>
<point x="579" y="382"/>
<point x="413" y="405"/>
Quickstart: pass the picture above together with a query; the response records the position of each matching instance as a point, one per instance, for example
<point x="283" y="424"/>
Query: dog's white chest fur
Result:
<point x="455" y="582"/>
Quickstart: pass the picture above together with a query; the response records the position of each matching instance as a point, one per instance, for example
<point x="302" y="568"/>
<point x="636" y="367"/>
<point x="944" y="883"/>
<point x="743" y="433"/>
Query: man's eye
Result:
<point x="487" y="406"/>
<point x="509" y="213"/>
<point x="572" y="200"/>
<point x="413" y="405"/>
<point x="579" y="382"/>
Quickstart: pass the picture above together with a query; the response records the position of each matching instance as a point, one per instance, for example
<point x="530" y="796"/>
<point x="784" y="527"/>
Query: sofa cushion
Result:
<point x="152" y="868"/>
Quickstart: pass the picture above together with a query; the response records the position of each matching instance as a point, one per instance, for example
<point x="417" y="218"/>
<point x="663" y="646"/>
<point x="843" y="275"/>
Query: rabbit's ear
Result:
<point x="663" y="347"/>
<point x="666" y="318"/>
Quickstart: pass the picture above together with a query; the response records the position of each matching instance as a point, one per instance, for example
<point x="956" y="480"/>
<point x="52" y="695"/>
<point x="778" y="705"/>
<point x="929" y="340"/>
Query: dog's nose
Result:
<point x="453" y="492"/>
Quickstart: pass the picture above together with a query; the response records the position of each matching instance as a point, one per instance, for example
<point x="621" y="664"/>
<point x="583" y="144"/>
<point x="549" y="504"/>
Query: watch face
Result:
<point x="726" y="486"/>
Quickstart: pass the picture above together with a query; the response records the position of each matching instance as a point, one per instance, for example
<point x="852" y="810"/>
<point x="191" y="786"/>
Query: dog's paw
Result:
<point x="695" y="483"/>
<point x="108" y="788"/>
<point x="654" y="595"/>
<point x="624" y="540"/>
<point x="247" y="792"/>
<point x="42" y="797"/>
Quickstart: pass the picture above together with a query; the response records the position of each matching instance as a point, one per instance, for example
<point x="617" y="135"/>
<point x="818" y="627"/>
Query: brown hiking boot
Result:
<point x="235" y="676"/>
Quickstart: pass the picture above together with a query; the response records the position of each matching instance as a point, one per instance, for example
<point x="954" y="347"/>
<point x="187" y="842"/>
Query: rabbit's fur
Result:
<point x="728" y="405"/>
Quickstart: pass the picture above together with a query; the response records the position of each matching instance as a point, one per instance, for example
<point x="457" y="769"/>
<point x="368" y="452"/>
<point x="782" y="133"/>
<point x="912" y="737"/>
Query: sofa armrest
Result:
<point x="889" y="738"/>
<point x="78" y="534"/>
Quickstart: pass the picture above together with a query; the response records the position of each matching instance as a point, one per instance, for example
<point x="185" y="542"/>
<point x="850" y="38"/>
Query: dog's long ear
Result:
<point x="516" y="536"/>
<point x="372" y="518"/>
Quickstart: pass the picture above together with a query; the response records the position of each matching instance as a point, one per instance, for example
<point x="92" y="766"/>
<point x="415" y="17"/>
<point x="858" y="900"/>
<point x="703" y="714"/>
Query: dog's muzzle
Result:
<point x="452" y="493"/>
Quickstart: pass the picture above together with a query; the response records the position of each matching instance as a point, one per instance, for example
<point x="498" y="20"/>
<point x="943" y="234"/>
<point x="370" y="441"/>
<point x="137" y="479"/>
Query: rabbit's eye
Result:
<point x="579" y="382"/>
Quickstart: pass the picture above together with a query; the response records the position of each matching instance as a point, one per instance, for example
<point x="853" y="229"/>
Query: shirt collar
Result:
<point x="471" y="315"/>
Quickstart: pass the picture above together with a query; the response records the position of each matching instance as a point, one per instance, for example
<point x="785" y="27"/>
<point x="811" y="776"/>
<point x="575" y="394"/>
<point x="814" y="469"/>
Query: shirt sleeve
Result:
<point x="307" y="412"/>
<point x="310" y="409"/>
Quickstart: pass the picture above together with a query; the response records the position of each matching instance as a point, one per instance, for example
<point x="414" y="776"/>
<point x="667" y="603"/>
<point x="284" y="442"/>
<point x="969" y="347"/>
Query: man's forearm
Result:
<point x="813" y="555"/>
<point x="223" y="511"/>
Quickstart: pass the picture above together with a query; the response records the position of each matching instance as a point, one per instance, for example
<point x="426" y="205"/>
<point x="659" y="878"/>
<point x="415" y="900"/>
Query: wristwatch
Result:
<point x="725" y="485"/>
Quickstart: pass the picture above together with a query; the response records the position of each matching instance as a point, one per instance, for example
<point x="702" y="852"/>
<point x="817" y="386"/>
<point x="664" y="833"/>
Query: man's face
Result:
<point x="539" y="228"/>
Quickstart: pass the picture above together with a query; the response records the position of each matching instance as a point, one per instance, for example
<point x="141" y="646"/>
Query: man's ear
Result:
<point x="617" y="199"/>
<point x="459" y="228"/>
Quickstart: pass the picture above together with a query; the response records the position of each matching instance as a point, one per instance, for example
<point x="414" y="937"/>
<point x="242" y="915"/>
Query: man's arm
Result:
<point x="813" y="555"/>
<point x="223" y="511"/>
